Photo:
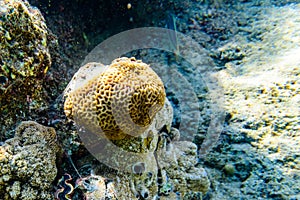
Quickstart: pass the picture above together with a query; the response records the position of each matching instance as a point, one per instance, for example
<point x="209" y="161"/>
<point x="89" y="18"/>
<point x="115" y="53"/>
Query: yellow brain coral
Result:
<point x="118" y="100"/>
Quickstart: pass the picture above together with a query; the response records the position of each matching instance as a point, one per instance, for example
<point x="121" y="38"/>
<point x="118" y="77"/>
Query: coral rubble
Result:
<point x="27" y="163"/>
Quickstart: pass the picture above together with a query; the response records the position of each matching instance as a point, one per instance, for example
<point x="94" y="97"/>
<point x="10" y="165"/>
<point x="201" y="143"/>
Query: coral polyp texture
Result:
<point x="118" y="100"/>
<point x="27" y="163"/>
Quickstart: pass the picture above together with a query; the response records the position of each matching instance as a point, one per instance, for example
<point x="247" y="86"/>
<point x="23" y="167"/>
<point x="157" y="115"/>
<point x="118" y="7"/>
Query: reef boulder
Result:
<point x="27" y="163"/>
<point x="24" y="59"/>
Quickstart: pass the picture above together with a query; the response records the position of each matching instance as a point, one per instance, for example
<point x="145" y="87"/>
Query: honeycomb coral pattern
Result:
<point x="120" y="101"/>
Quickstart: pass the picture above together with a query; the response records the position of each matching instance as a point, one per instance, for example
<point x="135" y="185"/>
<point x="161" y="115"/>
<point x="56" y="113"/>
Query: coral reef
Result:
<point x="27" y="163"/>
<point x="152" y="155"/>
<point x="178" y="162"/>
<point x="248" y="42"/>
<point x="24" y="58"/>
<point x="175" y="173"/>
<point x="121" y="99"/>
<point x="134" y="157"/>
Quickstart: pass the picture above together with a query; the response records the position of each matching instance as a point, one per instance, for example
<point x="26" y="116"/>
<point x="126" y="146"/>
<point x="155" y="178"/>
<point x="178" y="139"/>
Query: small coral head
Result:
<point x="120" y="101"/>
